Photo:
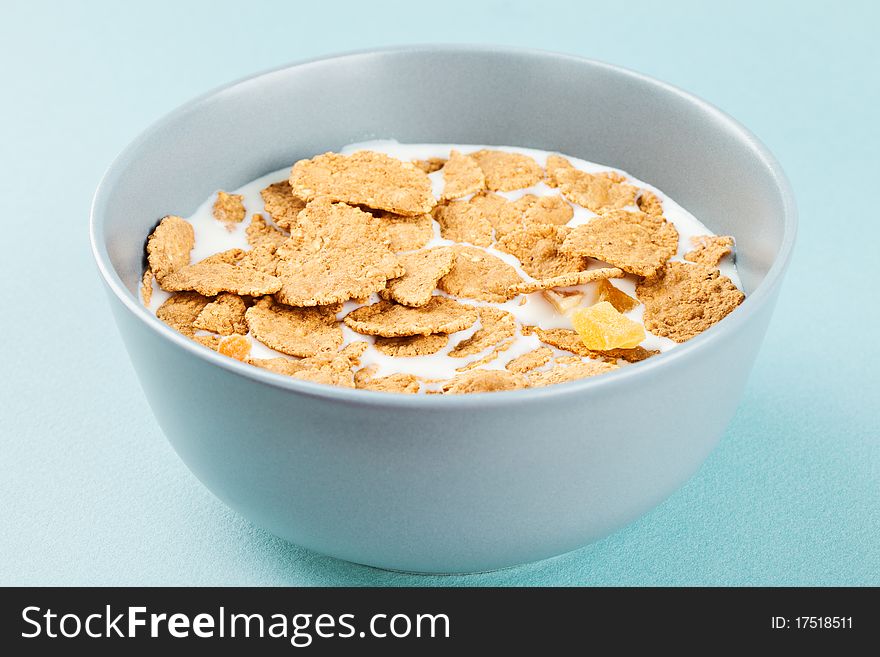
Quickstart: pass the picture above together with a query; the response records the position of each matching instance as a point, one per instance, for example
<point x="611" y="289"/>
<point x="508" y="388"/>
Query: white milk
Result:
<point x="212" y="236"/>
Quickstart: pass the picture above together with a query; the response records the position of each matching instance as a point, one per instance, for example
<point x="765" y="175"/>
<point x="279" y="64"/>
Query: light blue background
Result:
<point x="91" y="493"/>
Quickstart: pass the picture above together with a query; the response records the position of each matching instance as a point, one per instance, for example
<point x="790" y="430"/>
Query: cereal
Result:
<point x="333" y="255"/>
<point x="228" y="257"/>
<point x="423" y="270"/>
<point x="465" y="221"/>
<point x="479" y="275"/>
<point x="461" y="176"/>
<point x="414" y="269"/>
<point x="281" y="204"/>
<point x="564" y="301"/>
<point x="329" y="369"/>
<point x="412" y="345"/>
<point x="224" y="315"/>
<point x="294" y="331"/>
<point x="488" y="358"/>
<point x="621" y="301"/>
<point x="530" y="360"/>
<point x="565" y="373"/>
<point x="430" y="165"/>
<point x="555" y="162"/>
<point x="390" y="320"/>
<point x="209" y="340"/>
<point x="229" y="208"/>
<point x="401" y="382"/>
<point x="405" y="233"/>
<point x="686" y="299"/>
<point x="235" y="346"/>
<point x="364" y="178"/>
<point x="496" y="325"/>
<point x="147" y="287"/>
<point x="537" y="249"/>
<point x="544" y="210"/>
<point x="635" y="242"/>
<point x="595" y="191"/>
<point x="569" y="340"/>
<point x="507" y="171"/>
<point x="567" y="280"/>
<point x="212" y="278"/>
<point x="602" y="327"/>
<point x="484" y="381"/>
<point x="259" y="233"/>
<point x="650" y="203"/>
<point x="169" y="245"/>
<point x="262" y="258"/>
<point x="709" y="249"/>
<point x="180" y="311"/>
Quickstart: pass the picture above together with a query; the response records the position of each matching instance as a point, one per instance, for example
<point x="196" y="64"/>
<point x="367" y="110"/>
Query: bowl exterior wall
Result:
<point x="454" y="486"/>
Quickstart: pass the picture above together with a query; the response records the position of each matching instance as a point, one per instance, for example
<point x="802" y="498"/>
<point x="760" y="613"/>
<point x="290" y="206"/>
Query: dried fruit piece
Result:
<point x="537" y="249"/>
<point x="621" y="301"/>
<point x="636" y="242"/>
<point x="564" y="302"/>
<point x="598" y="192"/>
<point x="365" y="178"/>
<point x="294" y="331"/>
<point x="440" y="315"/>
<point x="423" y="270"/>
<point x="496" y="325"/>
<point x="602" y="327"/>
<point x="235" y="346"/>
<point x="461" y="176"/>
<point x="281" y="204"/>
<point x="686" y="299"/>
<point x="259" y="233"/>
<point x="412" y="345"/>
<point x="333" y="254"/>
<point x="530" y="360"/>
<point x="710" y="249"/>
<point x="169" y="245"/>
<point x="567" y="280"/>
<point x="224" y="315"/>
<point x="564" y="373"/>
<point x="484" y="381"/>
<point x="180" y="310"/>
<point x="229" y="207"/>
<point x="479" y="275"/>
<point x="507" y="171"/>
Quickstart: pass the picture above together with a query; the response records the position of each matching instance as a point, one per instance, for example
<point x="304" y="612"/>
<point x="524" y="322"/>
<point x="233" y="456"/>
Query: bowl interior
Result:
<point x="701" y="158"/>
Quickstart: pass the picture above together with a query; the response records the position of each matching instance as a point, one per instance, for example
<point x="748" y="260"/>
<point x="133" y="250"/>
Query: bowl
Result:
<point x="443" y="484"/>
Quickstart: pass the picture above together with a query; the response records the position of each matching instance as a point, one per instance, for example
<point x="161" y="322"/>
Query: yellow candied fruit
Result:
<point x="235" y="346"/>
<point x="602" y="327"/>
<point x="617" y="298"/>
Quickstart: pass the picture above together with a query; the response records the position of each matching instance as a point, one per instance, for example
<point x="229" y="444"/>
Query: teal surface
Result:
<point x="91" y="493"/>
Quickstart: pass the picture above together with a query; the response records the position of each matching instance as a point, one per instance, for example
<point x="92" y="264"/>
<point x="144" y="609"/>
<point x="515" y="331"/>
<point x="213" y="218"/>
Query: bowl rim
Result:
<point x="358" y="397"/>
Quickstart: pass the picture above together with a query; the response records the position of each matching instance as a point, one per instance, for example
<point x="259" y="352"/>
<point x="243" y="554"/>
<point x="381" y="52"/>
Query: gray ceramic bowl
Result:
<point x="436" y="483"/>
